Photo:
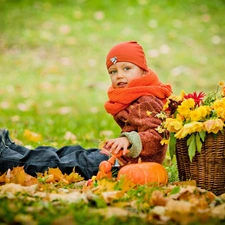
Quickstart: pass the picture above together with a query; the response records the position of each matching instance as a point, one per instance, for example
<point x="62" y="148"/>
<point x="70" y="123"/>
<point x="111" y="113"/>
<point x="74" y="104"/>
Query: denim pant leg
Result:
<point x="37" y="160"/>
<point x="85" y="161"/>
<point x="9" y="158"/>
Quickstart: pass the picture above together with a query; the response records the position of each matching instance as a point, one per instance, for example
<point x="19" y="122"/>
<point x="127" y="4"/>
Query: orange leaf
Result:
<point x="56" y="172"/>
<point x="18" y="176"/>
<point x="2" y="178"/>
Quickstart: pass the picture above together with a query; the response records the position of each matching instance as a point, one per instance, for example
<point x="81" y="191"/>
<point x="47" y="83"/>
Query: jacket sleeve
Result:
<point x="135" y="143"/>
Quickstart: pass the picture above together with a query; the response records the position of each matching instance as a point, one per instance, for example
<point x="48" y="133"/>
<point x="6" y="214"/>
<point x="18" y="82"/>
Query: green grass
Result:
<point x="52" y="60"/>
<point x="53" y="56"/>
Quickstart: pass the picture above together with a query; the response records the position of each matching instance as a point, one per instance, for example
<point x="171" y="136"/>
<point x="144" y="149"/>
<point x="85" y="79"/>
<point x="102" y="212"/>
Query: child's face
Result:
<point x="122" y="73"/>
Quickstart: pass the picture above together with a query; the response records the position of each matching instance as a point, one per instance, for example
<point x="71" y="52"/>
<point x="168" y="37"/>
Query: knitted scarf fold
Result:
<point x="148" y="84"/>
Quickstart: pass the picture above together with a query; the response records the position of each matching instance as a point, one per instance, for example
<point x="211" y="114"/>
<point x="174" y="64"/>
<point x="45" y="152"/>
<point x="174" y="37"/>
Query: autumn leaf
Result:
<point x="158" y="199"/>
<point x="69" y="136"/>
<point x="18" y="176"/>
<point x="15" y="188"/>
<point x="124" y="184"/>
<point x="104" y="185"/>
<point x="56" y="172"/>
<point x="32" y="136"/>
<point x="110" y="196"/>
<point x="54" y="175"/>
<point x="73" y="177"/>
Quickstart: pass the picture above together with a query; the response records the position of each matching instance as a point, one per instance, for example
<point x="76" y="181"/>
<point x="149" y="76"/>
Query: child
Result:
<point x="135" y="97"/>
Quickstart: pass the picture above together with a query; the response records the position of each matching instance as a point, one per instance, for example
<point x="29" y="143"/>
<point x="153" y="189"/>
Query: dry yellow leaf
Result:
<point x="15" y="188"/>
<point x="18" y="176"/>
<point x="109" y="196"/>
<point x="54" y="175"/>
<point x="32" y="136"/>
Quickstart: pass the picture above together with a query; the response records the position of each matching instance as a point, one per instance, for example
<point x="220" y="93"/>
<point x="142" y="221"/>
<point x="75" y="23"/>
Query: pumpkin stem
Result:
<point x="139" y="160"/>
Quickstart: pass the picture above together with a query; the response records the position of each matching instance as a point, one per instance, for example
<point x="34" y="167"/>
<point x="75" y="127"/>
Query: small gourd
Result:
<point x="105" y="167"/>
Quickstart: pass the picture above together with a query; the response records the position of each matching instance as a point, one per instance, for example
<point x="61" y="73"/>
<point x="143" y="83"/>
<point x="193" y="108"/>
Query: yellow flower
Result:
<point x="185" y="107"/>
<point x="189" y="128"/>
<point x="173" y="125"/>
<point x="182" y="94"/>
<point x="180" y="118"/>
<point x="213" y="125"/>
<point x="219" y="107"/>
<point x="223" y="92"/>
<point x="195" y="115"/>
<point x="189" y="103"/>
<point x="161" y="115"/>
<point x="148" y="113"/>
<point x="164" y="141"/>
<point x="222" y="85"/>
<point x="183" y="111"/>
<point x="176" y="98"/>
<point x="200" y="113"/>
<point x="166" y="105"/>
<point x="160" y="129"/>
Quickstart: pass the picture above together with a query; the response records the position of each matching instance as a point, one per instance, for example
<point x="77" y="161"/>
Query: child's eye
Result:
<point x="112" y="72"/>
<point x="126" y="68"/>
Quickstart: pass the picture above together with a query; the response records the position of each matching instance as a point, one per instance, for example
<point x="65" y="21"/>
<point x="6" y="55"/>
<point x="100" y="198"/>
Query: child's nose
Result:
<point x="120" y="74"/>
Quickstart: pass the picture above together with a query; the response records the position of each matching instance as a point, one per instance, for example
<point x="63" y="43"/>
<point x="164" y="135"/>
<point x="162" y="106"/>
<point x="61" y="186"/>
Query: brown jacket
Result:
<point x="138" y="124"/>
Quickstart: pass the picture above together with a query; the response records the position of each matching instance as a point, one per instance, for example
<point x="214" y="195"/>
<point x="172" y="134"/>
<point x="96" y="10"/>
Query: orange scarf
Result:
<point x="120" y="98"/>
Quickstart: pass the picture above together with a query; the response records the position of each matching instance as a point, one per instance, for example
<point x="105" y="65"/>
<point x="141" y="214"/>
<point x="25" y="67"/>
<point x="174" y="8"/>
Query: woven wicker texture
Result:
<point x="208" y="167"/>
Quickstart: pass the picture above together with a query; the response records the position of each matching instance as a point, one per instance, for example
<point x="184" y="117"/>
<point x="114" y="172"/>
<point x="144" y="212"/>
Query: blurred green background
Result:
<point x="52" y="59"/>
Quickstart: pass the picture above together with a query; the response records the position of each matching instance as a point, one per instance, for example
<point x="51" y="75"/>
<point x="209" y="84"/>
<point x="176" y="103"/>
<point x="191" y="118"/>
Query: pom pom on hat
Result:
<point x="127" y="52"/>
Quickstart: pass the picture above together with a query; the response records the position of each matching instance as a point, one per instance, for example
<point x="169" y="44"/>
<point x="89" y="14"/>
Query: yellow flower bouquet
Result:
<point x="192" y="116"/>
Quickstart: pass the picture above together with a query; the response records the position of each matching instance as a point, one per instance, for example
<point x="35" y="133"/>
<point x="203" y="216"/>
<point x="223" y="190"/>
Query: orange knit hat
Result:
<point x="127" y="52"/>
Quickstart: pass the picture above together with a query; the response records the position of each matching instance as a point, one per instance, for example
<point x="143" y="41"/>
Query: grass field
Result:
<point x="53" y="78"/>
<point x="52" y="57"/>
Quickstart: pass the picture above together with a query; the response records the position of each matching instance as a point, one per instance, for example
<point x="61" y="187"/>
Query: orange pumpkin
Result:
<point x="105" y="166"/>
<point x="101" y="174"/>
<point x="143" y="173"/>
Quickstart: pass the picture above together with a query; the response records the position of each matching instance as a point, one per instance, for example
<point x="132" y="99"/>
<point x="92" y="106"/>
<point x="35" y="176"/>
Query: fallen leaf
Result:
<point x="54" y="175"/>
<point x="185" y="183"/>
<point x="15" y="188"/>
<point x="69" y="136"/>
<point x="18" y="176"/>
<point x="32" y="136"/>
<point x="158" y="199"/>
<point x="219" y="211"/>
<point x="110" y="196"/>
<point x="72" y="197"/>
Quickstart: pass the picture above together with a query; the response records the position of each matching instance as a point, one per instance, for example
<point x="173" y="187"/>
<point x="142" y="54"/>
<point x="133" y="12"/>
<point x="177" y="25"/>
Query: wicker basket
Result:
<point x="208" y="167"/>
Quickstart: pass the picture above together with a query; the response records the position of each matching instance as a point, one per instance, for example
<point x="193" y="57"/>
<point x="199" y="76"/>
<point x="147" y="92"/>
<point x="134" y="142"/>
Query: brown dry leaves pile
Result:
<point x="181" y="202"/>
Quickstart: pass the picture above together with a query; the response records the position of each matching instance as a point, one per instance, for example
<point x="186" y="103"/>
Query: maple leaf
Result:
<point x="54" y="175"/>
<point x="73" y="177"/>
<point x="18" y="176"/>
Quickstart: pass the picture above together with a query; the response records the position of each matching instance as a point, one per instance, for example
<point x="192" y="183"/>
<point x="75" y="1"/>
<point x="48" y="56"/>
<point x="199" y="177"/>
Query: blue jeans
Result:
<point x="85" y="161"/>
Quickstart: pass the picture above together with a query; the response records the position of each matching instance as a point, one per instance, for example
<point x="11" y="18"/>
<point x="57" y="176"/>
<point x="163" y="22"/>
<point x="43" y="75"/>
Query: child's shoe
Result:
<point x="4" y="134"/>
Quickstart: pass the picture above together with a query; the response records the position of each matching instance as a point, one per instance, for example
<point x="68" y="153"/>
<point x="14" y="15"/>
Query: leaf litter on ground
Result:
<point x="180" y="202"/>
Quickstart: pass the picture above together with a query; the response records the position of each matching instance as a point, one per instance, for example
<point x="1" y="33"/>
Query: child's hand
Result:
<point x="117" y="144"/>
